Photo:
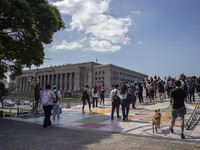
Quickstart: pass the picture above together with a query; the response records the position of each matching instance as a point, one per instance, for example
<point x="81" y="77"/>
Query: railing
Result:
<point x="194" y="116"/>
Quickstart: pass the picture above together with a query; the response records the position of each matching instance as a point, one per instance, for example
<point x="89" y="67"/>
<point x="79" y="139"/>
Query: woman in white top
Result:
<point x="125" y="105"/>
<point x="95" y="95"/>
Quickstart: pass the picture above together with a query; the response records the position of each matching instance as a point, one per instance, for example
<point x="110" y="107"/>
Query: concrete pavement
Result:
<point x="99" y="122"/>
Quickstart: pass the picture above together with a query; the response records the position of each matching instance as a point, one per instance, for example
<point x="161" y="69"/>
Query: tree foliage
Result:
<point x="25" y="26"/>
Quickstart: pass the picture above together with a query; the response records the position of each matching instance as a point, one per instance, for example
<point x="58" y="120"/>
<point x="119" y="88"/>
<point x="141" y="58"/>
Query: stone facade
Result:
<point x="73" y="77"/>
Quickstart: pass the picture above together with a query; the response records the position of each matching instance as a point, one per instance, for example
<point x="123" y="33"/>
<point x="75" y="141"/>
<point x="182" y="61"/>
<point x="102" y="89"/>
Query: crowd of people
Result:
<point x="177" y="91"/>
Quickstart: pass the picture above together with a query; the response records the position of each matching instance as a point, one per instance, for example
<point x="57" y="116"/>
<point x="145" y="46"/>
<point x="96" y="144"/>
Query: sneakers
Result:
<point x="182" y="136"/>
<point x="171" y="130"/>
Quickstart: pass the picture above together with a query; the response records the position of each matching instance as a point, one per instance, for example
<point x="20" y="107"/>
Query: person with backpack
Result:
<point x="47" y="102"/>
<point x="131" y="90"/>
<point x="56" y="104"/>
<point x="86" y="97"/>
<point x="114" y="96"/>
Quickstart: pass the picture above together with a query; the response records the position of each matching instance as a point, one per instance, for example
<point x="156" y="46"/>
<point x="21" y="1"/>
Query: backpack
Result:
<point x="130" y="98"/>
<point x="46" y="98"/>
<point x="85" y="95"/>
<point x="56" y="96"/>
<point x="116" y="100"/>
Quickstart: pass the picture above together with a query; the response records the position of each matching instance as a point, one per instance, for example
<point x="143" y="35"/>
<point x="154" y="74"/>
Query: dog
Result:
<point x="156" y="120"/>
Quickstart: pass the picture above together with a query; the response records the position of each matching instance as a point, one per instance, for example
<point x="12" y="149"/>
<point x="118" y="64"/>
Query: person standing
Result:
<point x="161" y="89"/>
<point x="95" y="96"/>
<point x="177" y="99"/>
<point x="191" y="92"/>
<point x="115" y="104"/>
<point x="151" y="91"/>
<point x="102" y="94"/>
<point x="56" y="104"/>
<point x="86" y="97"/>
<point x="125" y="105"/>
<point x="47" y="102"/>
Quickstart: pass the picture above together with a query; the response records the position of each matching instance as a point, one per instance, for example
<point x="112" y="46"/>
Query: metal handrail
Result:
<point x="194" y="116"/>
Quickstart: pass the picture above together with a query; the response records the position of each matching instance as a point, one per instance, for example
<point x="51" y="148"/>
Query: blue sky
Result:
<point x="159" y="37"/>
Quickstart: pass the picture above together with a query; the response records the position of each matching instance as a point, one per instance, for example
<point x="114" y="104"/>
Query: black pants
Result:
<point x="88" y="101"/>
<point x="47" y="113"/>
<point x="113" y="110"/>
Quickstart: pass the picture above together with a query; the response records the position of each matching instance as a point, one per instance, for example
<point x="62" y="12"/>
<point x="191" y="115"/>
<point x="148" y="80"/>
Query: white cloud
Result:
<point x="136" y="12"/>
<point x="103" y="46"/>
<point x="67" y="46"/>
<point x="139" y="42"/>
<point x="89" y="16"/>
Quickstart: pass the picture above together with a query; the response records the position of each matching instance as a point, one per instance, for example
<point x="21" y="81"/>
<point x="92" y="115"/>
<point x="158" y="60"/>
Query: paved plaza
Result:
<point x="139" y="123"/>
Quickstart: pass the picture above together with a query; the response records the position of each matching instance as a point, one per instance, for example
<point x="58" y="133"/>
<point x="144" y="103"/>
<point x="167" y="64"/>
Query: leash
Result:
<point x="165" y="109"/>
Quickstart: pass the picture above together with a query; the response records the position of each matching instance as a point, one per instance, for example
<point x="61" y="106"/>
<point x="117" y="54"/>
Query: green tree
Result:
<point x="25" y="26"/>
<point x="3" y="92"/>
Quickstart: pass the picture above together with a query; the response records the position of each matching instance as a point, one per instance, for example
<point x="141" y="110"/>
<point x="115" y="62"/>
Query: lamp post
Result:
<point x="33" y="80"/>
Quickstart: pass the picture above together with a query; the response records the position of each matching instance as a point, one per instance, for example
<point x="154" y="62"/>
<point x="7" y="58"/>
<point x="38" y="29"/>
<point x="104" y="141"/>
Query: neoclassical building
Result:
<point x="73" y="77"/>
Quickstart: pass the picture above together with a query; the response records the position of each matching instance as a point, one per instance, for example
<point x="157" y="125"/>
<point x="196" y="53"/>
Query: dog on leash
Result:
<point x="156" y="120"/>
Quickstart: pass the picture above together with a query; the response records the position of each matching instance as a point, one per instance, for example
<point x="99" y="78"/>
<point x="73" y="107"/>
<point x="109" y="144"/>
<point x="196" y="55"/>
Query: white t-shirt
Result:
<point x="123" y="96"/>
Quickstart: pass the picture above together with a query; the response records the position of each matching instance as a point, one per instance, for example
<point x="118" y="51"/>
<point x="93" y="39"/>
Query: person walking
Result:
<point x="102" y="94"/>
<point x="56" y="104"/>
<point x="95" y="95"/>
<point x="86" y="97"/>
<point x="47" y="102"/>
<point x="132" y="92"/>
<point x="114" y="96"/>
<point x="125" y="105"/>
<point x="140" y="92"/>
<point x="177" y="99"/>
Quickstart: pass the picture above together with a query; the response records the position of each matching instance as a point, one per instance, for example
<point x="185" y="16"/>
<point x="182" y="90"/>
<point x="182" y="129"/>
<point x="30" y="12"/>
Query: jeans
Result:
<point x="113" y="110"/>
<point x="151" y="95"/>
<point x="125" y="109"/>
<point x="88" y="101"/>
<point x="140" y="95"/>
<point x="190" y="96"/>
<point x="95" y="100"/>
<point x="47" y="113"/>
<point x="56" y="110"/>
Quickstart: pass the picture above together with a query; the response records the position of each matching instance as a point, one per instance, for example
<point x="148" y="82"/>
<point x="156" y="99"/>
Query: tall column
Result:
<point x="52" y="80"/>
<point x="48" y="79"/>
<point x="56" y="80"/>
<point x="45" y="80"/>
<point x="65" y="82"/>
<point x="26" y="84"/>
<point x="70" y="82"/>
<point x="61" y="81"/>
<point x="18" y="84"/>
